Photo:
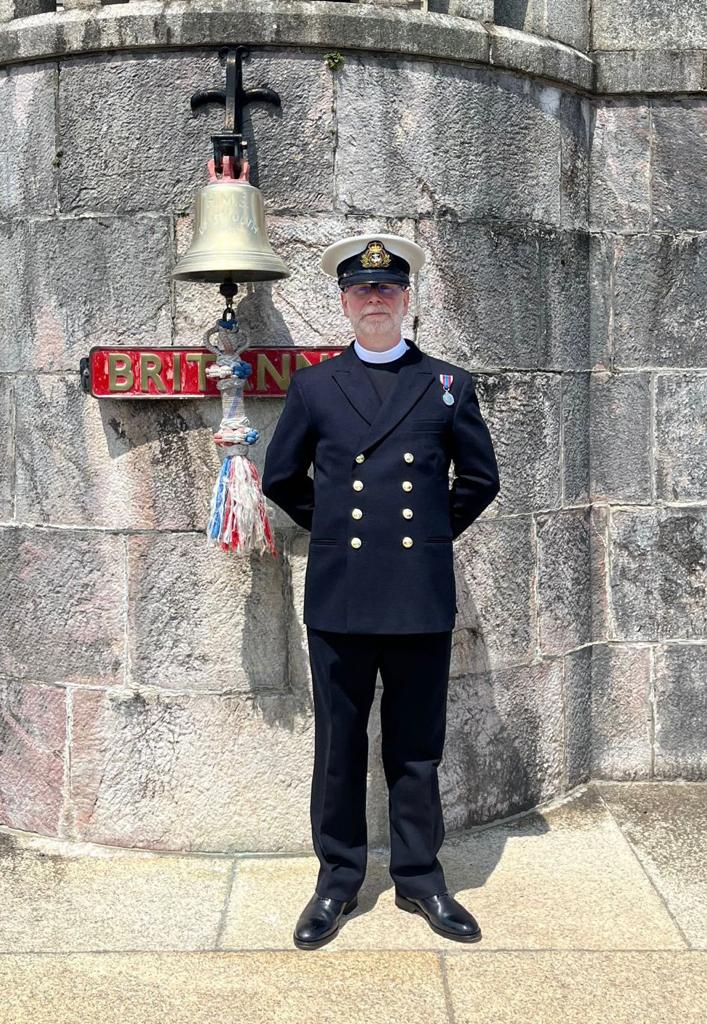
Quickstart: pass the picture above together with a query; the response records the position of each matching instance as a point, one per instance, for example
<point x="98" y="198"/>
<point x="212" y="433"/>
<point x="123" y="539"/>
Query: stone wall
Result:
<point x="648" y="395"/>
<point x="155" y="692"/>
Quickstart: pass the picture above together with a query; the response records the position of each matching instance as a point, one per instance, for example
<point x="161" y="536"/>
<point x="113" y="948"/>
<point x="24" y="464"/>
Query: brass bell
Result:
<point x="230" y="240"/>
<point x="230" y="243"/>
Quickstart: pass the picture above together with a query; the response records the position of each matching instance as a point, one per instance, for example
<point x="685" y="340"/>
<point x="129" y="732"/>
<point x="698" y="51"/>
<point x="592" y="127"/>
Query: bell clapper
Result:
<point x="228" y="289"/>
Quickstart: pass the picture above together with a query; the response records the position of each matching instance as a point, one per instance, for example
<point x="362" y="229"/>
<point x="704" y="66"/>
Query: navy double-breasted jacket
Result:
<point x="380" y="508"/>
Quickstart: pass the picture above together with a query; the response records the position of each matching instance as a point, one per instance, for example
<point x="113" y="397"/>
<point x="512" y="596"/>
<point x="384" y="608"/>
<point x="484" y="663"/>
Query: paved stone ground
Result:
<point x="593" y="909"/>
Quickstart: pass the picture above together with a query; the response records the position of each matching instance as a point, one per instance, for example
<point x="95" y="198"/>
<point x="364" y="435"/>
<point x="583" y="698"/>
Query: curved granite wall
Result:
<point x="154" y="692"/>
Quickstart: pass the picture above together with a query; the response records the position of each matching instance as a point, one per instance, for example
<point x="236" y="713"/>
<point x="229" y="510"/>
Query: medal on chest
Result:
<point x="446" y="380"/>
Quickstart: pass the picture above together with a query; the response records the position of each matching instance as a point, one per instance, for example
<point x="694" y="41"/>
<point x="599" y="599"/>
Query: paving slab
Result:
<point x="563" y="879"/>
<point x="60" y="896"/>
<point x="666" y="825"/>
<point x="231" y="988"/>
<point x="583" y="987"/>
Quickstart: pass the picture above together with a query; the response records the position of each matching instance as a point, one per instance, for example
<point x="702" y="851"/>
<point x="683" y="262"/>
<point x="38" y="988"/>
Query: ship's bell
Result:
<point x="229" y="240"/>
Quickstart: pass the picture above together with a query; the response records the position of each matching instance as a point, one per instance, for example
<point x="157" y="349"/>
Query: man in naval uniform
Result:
<point x="380" y="423"/>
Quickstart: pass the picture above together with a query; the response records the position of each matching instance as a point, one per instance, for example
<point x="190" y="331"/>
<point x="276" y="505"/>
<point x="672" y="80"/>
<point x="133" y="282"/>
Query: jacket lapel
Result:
<point x="412" y="380"/>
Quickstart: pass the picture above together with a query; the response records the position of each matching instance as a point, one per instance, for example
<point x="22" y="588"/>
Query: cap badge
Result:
<point x="375" y="256"/>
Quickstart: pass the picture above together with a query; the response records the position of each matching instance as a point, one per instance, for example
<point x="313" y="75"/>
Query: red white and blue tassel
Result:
<point x="238" y="519"/>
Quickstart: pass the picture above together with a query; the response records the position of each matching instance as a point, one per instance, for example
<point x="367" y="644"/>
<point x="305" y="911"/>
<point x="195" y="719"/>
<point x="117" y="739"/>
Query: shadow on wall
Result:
<point x="259" y="317"/>
<point x="511" y="13"/>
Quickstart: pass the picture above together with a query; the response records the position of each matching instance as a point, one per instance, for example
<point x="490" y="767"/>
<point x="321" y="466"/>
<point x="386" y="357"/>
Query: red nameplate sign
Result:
<point x="174" y="372"/>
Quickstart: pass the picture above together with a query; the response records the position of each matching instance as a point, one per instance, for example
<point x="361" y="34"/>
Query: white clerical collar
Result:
<point x="381" y="357"/>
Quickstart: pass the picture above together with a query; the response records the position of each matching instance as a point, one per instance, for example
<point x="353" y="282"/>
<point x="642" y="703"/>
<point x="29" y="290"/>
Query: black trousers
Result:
<point x="414" y="668"/>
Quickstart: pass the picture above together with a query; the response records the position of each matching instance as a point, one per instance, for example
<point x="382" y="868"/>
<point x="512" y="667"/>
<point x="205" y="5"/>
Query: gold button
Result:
<point x="356" y="513"/>
<point x="356" y="542"/>
<point x="407" y="513"/>
<point x="407" y="542"/>
<point x="407" y="486"/>
<point x="360" y="458"/>
<point x="408" y="456"/>
<point x="358" y="485"/>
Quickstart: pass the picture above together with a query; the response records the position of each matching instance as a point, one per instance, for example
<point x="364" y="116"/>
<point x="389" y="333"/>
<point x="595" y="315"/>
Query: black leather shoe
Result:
<point x="444" y="916"/>
<point x="320" y="919"/>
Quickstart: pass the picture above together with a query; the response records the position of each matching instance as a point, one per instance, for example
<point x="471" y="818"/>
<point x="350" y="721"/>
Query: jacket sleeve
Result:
<point x="476" y="480"/>
<point x="289" y="455"/>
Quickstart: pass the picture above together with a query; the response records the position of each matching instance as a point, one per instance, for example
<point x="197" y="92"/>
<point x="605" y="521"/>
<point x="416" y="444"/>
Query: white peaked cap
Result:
<point x="334" y="254"/>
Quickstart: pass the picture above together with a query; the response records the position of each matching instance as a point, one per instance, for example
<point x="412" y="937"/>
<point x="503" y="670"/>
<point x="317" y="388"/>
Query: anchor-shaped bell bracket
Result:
<point x="230" y="141"/>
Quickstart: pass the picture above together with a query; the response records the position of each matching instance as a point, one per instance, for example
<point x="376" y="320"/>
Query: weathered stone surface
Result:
<point x="561" y="878"/>
<point x="32" y="735"/>
<point x="27" y="115"/>
<point x="578" y="716"/>
<point x="679" y="163"/>
<point x="505" y="295"/>
<point x="10" y="9"/>
<point x="659" y="573"/>
<point x="156" y="161"/>
<point x="564" y="580"/>
<point x="621" y="712"/>
<point x="61" y="897"/>
<point x="87" y="5"/>
<point x="658" y="296"/>
<point x="619" y="189"/>
<point x="568" y="21"/>
<point x="298" y="26"/>
<point x="565" y="20"/>
<point x="498" y="155"/>
<point x="203" y="986"/>
<point x="538" y="56"/>
<point x="576" y="126"/>
<point x="526" y="17"/>
<point x="179" y="772"/>
<point x="620" y="436"/>
<point x="112" y="463"/>
<point x="599" y="551"/>
<point x="200" y="619"/>
<point x="575" y="438"/>
<point x="7" y="448"/>
<point x="72" y="283"/>
<point x="505" y="742"/>
<point x="601" y="323"/>
<point x="522" y="413"/>
<point x="666" y="826"/>
<point x="62" y="606"/>
<point x="495" y="570"/>
<point x="303" y="309"/>
<point x="681" y="436"/>
<point x="564" y="300"/>
<point x="482" y="10"/>
<point x="649" y="71"/>
<point x="575" y="982"/>
<point x="681" y="711"/>
<point x="645" y="25"/>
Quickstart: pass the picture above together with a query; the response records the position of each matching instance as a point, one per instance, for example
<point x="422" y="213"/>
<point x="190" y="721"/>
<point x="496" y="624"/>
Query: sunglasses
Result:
<point x="387" y="291"/>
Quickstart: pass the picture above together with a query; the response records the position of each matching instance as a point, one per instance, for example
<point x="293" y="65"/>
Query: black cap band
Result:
<point x="373" y="264"/>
